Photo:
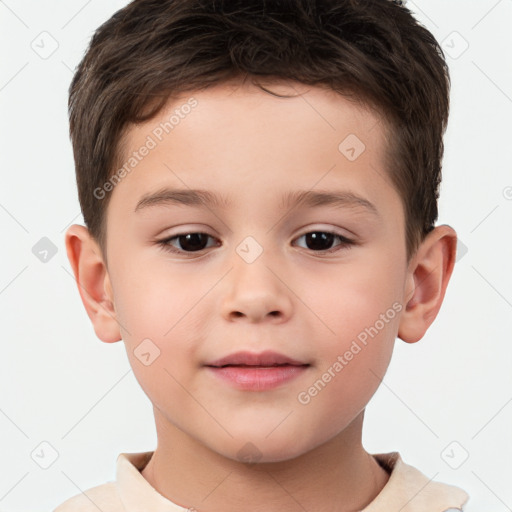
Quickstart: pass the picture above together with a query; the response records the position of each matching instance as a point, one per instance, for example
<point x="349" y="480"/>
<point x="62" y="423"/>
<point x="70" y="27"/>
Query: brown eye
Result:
<point x="186" y="242"/>
<point x="323" y="241"/>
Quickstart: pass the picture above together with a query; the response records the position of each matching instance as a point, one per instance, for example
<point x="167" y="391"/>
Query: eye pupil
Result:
<point x="193" y="241"/>
<point x="316" y="240"/>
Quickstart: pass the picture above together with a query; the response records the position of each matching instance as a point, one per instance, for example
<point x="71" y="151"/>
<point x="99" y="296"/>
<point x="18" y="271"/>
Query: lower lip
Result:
<point x="254" y="378"/>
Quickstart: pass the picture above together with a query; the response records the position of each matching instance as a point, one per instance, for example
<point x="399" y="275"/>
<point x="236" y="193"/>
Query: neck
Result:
<point x="336" y="476"/>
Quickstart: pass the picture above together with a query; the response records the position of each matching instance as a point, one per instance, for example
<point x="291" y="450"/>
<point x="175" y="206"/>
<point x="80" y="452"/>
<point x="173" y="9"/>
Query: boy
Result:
<point x="259" y="182"/>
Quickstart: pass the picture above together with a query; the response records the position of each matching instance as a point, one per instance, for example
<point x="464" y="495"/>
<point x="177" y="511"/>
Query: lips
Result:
<point x="247" y="371"/>
<point x="263" y="359"/>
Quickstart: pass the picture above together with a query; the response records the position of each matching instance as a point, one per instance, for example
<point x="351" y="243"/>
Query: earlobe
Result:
<point x="93" y="282"/>
<point x="428" y="276"/>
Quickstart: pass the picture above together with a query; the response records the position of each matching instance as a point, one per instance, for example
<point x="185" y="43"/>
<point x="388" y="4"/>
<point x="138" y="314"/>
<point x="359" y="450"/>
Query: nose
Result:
<point x="256" y="291"/>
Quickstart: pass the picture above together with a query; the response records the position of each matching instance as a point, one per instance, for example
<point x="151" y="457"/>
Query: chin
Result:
<point x="260" y="448"/>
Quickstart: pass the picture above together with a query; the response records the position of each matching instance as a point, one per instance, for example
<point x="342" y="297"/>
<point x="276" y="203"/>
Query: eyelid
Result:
<point x="344" y="233"/>
<point x="322" y="229"/>
<point x="345" y="242"/>
<point x="164" y="243"/>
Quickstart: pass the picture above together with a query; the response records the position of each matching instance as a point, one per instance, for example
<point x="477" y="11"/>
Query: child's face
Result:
<point x="258" y="283"/>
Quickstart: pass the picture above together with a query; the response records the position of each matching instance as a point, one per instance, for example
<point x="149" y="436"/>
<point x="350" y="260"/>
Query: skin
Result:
<point x="195" y="307"/>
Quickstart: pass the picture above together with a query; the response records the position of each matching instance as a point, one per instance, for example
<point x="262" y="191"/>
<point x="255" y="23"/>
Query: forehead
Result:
<point x="241" y="109"/>
<point x="236" y="134"/>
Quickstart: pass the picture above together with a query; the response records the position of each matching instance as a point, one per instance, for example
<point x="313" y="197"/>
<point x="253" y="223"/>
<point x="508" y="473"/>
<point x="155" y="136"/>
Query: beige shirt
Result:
<point x="407" y="490"/>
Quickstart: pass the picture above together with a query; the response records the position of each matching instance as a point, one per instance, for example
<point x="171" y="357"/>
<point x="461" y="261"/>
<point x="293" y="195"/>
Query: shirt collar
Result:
<point x="135" y="492"/>
<point x="407" y="489"/>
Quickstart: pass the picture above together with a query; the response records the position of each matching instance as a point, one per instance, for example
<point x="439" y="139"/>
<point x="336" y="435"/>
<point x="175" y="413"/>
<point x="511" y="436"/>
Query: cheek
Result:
<point x="352" y="365"/>
<point x="158" y="318"/>
<point x="349" y="301"/>
<point x="151" y="301"/>
<point x="360" y="314"/>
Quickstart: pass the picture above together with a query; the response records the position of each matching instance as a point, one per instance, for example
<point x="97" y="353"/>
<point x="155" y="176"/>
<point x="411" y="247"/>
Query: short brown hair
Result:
<point x="373" y="51"/>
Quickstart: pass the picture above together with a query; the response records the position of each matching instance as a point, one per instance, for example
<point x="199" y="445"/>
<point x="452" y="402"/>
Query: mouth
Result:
<point x="255" y="365"/>
<point x="257" y="372"/>
<point x="263" y="359"/>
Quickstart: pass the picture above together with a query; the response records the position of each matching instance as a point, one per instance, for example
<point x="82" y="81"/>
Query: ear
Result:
<point x="93" y="282"/>
<point x="427" y="278"/>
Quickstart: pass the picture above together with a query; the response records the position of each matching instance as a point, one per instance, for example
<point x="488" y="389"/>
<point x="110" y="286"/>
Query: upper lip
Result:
<point x="267" y="358"/>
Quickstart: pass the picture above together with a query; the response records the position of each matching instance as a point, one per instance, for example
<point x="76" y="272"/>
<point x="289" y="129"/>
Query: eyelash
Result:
<point x="344" y="245"/>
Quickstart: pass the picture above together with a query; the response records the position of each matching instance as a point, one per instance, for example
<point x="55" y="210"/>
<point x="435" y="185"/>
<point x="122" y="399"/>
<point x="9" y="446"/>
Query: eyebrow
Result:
<point x="307" y="198"/>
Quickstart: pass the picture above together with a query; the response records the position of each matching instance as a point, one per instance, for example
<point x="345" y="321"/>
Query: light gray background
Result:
<point x="447" y="397"/>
